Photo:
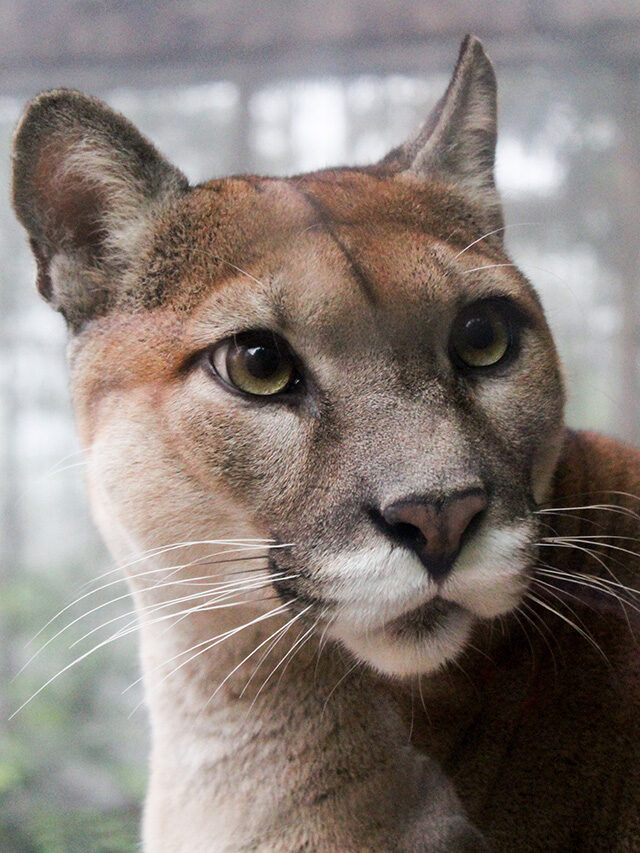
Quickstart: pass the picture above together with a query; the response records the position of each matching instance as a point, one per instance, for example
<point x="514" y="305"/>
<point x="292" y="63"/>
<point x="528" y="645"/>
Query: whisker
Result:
<point x="148" y="555"/>
<point x="596" y="585"/>
<point x="220" y="595"/>
<point x="60" y="470"/>
<point x="61" y="672"/>
<point x="239" y="269"/>
<point x="263" y="657"/>
<point x="613" y="508"/>
<point x="541" y="625"/>
<point x="206" y="645"/>
<point x="589" y="579"/>
<point x="338" y="683"/>
<point x="250" y="655"/>
<point x="536" y="621"/>
<point x="486" y="267"/>
<point x="265" y="582"/>
<point x="577" y="517"/>
<point x="413" y="716"/>
<point x="555" y="592"/>
<point x="422" y="702"/>
<point x="139" y="575"/>
<point x="322" y="642"/>
<point x="577" y="539"/>
<point x="98" y="607"/>
<point x="230" y="265"/>
<point x="593" y="554"/>
<point x="584" y="634"/>
<point x="589" y="537"/>
<point x="614" y="492"/>
<point x="305" y="639"/>
<point x="54" y="468"/>
<point x="491" y="233"/>
<point x="134" y="625"/>
<point x="516" y="615"/>
<point x="301" y="639"/>
<point x="205" y="607"/>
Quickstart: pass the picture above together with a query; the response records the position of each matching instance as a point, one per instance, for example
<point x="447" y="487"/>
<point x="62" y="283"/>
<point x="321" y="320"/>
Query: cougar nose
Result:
<point x="434" y="529"/>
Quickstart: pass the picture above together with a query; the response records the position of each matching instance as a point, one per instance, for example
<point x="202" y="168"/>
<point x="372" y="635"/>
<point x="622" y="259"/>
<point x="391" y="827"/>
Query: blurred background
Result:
<point x="231" y="86"/>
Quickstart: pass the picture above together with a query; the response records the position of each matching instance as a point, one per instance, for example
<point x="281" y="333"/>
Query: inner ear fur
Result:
<point x="457" y="142"/>
<point x="85" y="183"/>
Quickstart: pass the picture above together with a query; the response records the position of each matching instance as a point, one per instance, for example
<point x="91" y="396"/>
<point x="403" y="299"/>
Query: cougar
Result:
<point x="386" y="598"/>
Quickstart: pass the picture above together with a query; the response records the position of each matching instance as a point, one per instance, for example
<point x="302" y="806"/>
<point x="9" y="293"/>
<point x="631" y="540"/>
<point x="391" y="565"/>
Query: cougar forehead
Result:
<point x="344" y="262"/>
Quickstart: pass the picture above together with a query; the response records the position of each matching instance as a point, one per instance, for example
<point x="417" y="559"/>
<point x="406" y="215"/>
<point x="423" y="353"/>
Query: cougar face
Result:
<point x="401" y="478"/>
<point x="345" y="363"/>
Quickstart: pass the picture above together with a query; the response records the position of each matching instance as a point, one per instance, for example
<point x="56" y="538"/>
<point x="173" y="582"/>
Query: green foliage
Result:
<point x="71" y="762"/>
<point x="59" y="832"/>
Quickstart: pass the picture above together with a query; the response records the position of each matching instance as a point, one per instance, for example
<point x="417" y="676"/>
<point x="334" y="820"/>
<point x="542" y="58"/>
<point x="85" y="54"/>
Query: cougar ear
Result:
<point x="457" y="142"/>
<point x="85" y="184"/>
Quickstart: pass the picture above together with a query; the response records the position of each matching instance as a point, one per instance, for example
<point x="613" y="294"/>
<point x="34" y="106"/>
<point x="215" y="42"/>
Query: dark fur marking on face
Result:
<point x="354" y="267"/>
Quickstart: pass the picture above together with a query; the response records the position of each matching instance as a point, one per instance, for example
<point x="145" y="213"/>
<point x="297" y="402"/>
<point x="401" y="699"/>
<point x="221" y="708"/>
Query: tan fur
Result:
<point x="363" y="272"/>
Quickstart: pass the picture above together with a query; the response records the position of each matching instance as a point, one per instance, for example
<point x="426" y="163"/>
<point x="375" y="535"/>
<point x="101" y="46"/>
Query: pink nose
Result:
<point x="434" y="529"/>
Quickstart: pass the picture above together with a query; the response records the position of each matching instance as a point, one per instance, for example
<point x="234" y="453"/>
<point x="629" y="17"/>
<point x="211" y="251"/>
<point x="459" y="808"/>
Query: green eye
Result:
<point x="481" y="335"/>
<point x="257" y="363"/>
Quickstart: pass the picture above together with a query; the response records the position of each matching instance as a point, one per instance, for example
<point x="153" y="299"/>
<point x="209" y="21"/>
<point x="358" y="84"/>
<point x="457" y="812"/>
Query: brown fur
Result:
<point x="363" y="272"/>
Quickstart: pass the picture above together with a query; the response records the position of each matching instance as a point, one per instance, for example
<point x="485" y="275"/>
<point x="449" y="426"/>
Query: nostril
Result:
<point x="408" y="534"/>
<point x="471" y="527"/>
<point x="400" y="532"/>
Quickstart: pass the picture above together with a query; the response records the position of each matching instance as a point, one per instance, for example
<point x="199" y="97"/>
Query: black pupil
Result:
<point x="262" y="361"/>
<point x="479" y="333"/>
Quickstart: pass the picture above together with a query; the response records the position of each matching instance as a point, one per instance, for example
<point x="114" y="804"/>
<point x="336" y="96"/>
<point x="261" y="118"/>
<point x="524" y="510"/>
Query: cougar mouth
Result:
<point x="424" y="619"/>
<point x="419" y="641"/>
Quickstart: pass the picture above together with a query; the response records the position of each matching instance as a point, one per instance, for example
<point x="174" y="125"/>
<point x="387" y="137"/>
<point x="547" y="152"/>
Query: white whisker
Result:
<point x="491" y="233"/>
<point x="250" y="655"/>
<point x="614" y="508"/>
<point x="158" y="552"/>
<point x="571" y="540"/>
<point x="205" y="607"/>
<point x="206" y="645"/>
<point x="486" y="267"/>
<point x="60" y="470"/>
<point x="338" y="683"/>
<point x="54" y="468"/>
<point x="301" y="639"/>
<point x="101" y="606"/>
<point x="564" y="618"/>
<point x="590" y="579"/>
<point x="218" y="595"/>
<point x="574" y="546"/>
<point x="162" y="569"/>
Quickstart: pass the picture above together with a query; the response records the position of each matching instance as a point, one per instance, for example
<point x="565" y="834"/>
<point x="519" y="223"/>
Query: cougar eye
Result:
<point x="257" y="363"/>
<point x="481" y="335"/>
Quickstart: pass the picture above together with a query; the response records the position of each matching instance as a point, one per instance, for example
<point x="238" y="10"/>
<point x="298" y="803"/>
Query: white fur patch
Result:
<point x="375" y="585"/>
<point x="487" y="578"/>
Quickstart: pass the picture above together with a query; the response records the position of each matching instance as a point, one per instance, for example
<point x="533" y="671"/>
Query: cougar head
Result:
<point x="344" y="362"/>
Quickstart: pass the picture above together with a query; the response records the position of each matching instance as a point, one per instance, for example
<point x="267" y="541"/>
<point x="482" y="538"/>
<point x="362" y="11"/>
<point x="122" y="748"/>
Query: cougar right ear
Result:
<point x="85" y="183"/>
<point x="457" y="142"/>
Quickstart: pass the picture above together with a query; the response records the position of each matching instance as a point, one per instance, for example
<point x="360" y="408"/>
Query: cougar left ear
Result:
<point x="85" y="185"/>
<point x="457" y="142"/>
